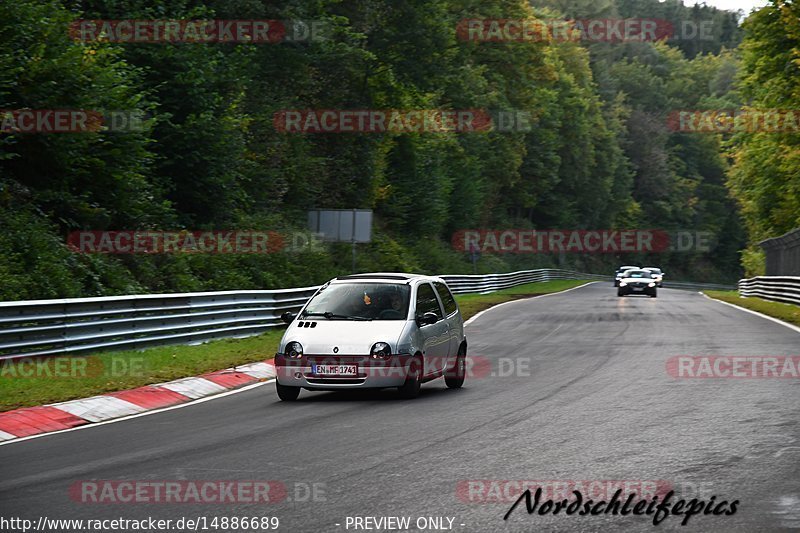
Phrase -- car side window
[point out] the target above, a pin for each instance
(426, 301)
(449, 302)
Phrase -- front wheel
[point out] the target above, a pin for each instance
(454, 378)
(287, 393)
(410, 389)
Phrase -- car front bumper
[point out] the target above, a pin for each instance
(628, 289)
(371, 373)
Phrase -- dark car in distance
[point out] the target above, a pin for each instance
(637, 282)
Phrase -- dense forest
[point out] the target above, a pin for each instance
(599, 153)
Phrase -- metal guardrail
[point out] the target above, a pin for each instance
(51, 327)
(494, 282)
(785, 289)
(37, 328)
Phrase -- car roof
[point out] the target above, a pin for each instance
(386, 277)
(651, 268)
(635, 270)
(628, 267)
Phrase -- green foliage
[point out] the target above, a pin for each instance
(766, 175)
(754, 262)
(597, 154)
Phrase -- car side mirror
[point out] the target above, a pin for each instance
(427, 319)
(288, 317)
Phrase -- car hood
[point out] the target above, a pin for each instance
(350, 337)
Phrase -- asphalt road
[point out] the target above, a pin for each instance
(589, 398)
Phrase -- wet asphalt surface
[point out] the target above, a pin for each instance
(568, 389)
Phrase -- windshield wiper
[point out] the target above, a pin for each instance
(331, 316)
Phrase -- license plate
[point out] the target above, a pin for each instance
(335, 370)
(638, 288)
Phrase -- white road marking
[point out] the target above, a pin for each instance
(762, 315)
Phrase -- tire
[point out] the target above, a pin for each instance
(410, 389)
(654, 295)
(620, 294)
(454, 378)
(287, 393)
(616, 283)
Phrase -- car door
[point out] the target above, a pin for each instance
(434, 337)
(454, 323)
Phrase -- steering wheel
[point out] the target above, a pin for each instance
(390, 314)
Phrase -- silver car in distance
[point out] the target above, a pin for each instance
(373, 331)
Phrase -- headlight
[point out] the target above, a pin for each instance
(294, 349)
(380, 350)
(622, 284)
(651, 284)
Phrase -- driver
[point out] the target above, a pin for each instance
(396, 301)
(392, 306)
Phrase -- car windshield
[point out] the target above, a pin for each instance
(371, 301)
(637, 274)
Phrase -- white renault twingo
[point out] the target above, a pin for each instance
(373, 331)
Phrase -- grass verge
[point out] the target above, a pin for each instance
(57, 379)
(787, 312)
(60, 379)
